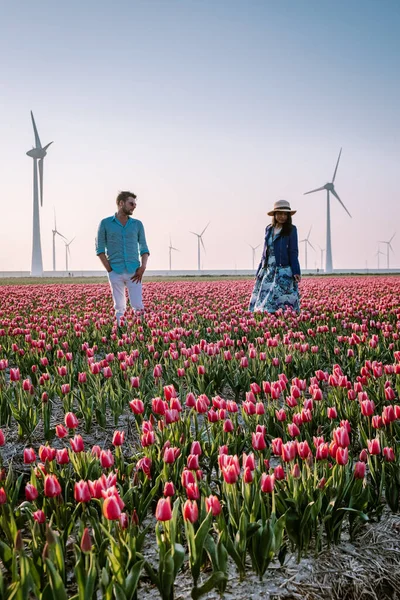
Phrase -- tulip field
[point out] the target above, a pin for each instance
(195, 438)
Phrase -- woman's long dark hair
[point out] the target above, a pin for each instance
(286, 227)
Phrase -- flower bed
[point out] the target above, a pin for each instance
(239, 438)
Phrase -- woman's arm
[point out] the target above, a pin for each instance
(294, 254)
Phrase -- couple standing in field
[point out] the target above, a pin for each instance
(122, 248)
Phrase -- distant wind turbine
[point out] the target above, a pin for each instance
(254, 248)
(378, 254)
(388, 246)
(170, 248)
(200, 240)
(37, 153)
(330, 189)
(322, 256)
(307, 242)
(55, 232)
(67, 252)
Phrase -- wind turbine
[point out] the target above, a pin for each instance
(378, 254)
(200, 239)
(307, 243)
(55, 232)
(322, 255)
(37, 153)
(330, 189)
(67, 252)
(170, 248)
(388, 246)
(254, 248)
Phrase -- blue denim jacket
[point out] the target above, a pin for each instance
(285, 248)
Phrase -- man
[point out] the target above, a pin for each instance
(120, 240)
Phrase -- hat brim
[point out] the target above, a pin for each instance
(272, 212)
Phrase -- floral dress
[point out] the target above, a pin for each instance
(275, 287)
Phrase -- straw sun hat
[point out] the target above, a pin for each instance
(282, 205)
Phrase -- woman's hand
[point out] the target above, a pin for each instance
(297, 278)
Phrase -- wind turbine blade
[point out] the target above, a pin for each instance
(55, 224)
(37, 139)
(202, 243)
(45, 148)
(317, 190)
(392, 237)
(41, 180)
(177, 249)
(309, 232)
(205, 228)
(60, 234)
(334, 174)
(310, 244)
(194, 233)
(336, 196)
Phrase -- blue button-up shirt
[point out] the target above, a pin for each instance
(121, 243)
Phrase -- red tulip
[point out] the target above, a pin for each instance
(190, 511)
(289, 451)
(61, 431)
(81, 491)
(359, 470)
(111, 508)
(31, 492)
(193, 462)
(52, 486)
(118, 438)
(258, 441)
(388, 454)
(39, 516)
(374, 447)
(332, 412)
(213, 505)
(29, 456)
(169, 489)
(86, 542)
(267, 483)
(163, 510)
(279, 473)
(77, 443)
(106, 459)
(137, 406)
(2, 438)
(14, 374)
(342, 456)
(71, 420)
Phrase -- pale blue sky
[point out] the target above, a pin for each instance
(209, 111)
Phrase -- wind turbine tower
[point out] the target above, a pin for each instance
(55, 232)
(330, 189)
(378, 255)
(253, 248)
(67, 252)
(307, 242)
(170, 248)
(322, 256)
(37, 153)
(200, 240)
(388, 247)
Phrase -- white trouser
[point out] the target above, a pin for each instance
(118, 282)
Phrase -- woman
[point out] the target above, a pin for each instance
(278, 275)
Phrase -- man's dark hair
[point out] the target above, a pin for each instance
(123, 197)
(286, 227)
